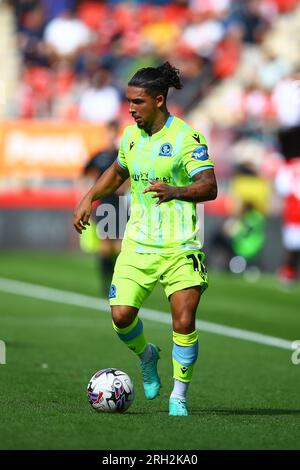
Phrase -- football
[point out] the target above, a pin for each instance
(110, 391)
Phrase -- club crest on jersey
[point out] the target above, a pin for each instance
(200, 153)
(112, 292)
(165, 150)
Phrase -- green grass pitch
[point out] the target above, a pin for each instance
(243, 396)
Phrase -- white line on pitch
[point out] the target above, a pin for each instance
(79, 300)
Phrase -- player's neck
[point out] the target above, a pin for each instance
(159, 123)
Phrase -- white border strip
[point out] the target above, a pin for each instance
(79, 300)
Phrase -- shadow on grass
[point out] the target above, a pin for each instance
(228, 412)
(245, 412)
(216, 412)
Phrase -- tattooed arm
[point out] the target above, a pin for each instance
(204, 188)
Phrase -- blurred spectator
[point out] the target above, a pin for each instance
(257, 106)
(287, 184)
(210, 6)
(247, 186)
(203, 34)
(35, 92)
(54, 8)
(66, 35)
(30, 37)
(22, 7)
(285, 6)
(160, 36)
(286, 98)
(272, 70)
(241, 239)
(253, 20)
(196, 76)
(100, 102)
(228, 51)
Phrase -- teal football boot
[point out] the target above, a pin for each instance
(149, 372)
(177, 407)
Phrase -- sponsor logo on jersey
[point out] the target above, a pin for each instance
(112, 292)
(131, 145)
(164, 179)
(200, 153)
(165, 150)
(197, 138)
(144, 178)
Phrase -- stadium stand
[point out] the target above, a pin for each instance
(217, 43)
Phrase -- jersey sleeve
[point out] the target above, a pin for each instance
(195, 154)
(121, 158)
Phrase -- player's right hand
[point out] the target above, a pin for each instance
(82, 215)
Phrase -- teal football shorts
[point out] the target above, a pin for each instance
(136, 274)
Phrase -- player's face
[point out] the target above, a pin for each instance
(143, 107)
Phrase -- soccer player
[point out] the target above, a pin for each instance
(170, 170)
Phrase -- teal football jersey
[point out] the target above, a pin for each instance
(172, 155)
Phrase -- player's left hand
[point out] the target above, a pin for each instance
(164, 192)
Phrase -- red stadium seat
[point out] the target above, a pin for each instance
(92, 13)
(39, 79)
(64, 80)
